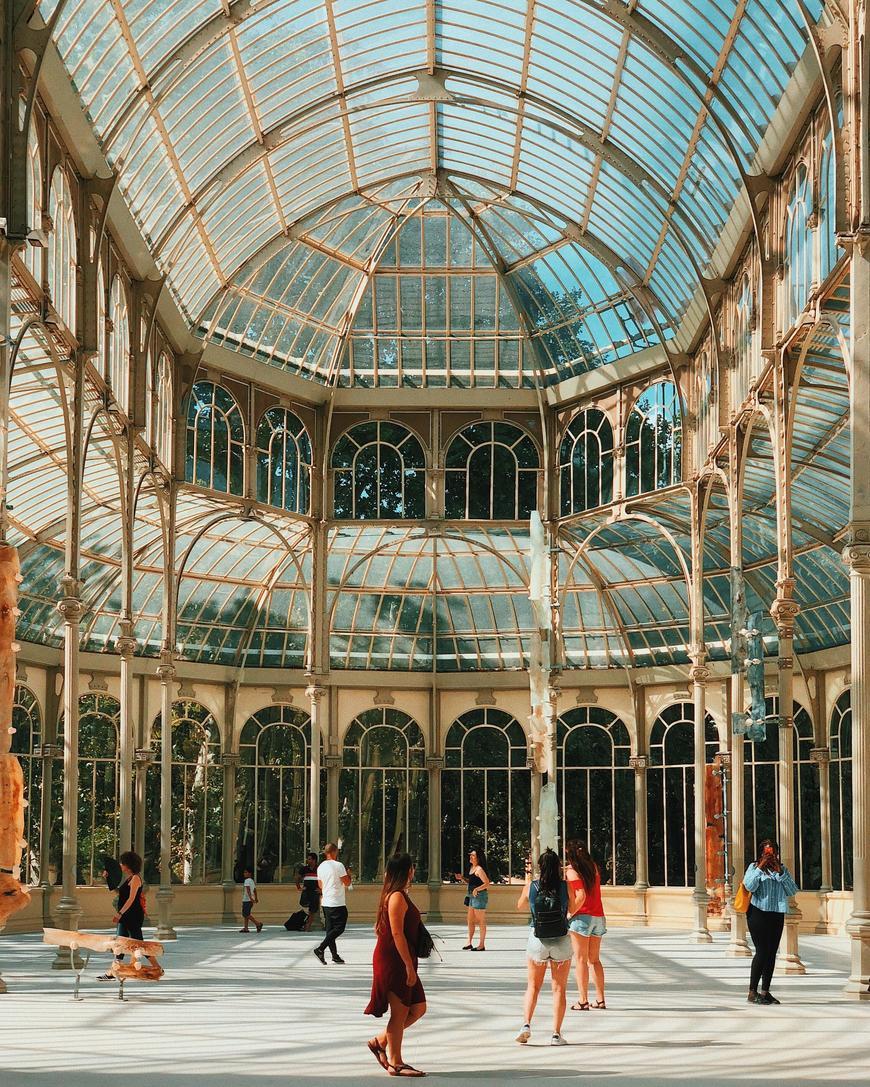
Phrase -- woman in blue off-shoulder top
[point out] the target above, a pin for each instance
(771, 885)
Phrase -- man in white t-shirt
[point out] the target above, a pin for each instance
(333, 878)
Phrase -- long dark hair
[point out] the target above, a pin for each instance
(481, 858)
(395, 879)
(549, 871)
(763, 844)
(583, 863)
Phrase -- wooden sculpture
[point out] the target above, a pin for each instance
(13, 896)
(115, 945)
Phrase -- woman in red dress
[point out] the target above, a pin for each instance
(395, 985)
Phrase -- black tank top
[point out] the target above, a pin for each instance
(474, 882)
(135, 911)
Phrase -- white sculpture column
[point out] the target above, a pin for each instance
(699, 676)
(640, 765)
(165, 931)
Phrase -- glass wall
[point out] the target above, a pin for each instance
(653, 440)
(841, 793)
(491, 473)
(99, 783)
(378, 471)
(586, 462)
(27, 723)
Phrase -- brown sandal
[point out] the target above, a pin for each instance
(379, 1053)
(404, 1070)
(599, 1004)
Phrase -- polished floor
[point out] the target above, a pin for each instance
(258, 1011)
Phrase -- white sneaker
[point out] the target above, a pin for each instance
(524, 1034)
(558, 1039)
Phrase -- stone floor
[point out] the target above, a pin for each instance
(259, 1011)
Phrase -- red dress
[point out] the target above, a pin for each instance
(389, 975)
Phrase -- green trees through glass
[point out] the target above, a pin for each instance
(379, 471)
(841, 793)
(215, 439)
(586, 462)
(653, 440)
(491, 473)
(27, 723)
(283, 461)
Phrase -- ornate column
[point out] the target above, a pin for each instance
(46, 753)
(784, 612)
(640, 765)
(738, 946)
(126, 646)
(229, 761)
(699, 676)
(434, 765)
(165, 931)
(319, 719)
(144, 757)
(821, 756)
(68, 911)
(857, 555)
(332, 763)
(536, 807)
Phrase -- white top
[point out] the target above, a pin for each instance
(329, 873)
(249, 890)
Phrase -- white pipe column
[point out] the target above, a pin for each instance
(434, 766)
(319, 718)
(699, 676)
(165, 931)
(738, 945)
(230, 763)
(821, 756)
(640, 765)
(126, 646)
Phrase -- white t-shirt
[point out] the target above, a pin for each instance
(329, 873)
(249, 890)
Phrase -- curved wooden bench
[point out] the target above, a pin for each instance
(137, 970)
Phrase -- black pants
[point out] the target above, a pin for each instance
(130, 927)
(336, 923)
(765, 928)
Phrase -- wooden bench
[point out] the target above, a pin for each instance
(135, 970)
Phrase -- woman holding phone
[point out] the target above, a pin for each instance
(771, 885)
(477, 898)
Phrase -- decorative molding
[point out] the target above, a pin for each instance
(166, 673)
(820, 755)
(144, 756)
(586, 696)
(48, 751)
(785, 664)
(383, 696)
(639, 763)
(699, 674)
(230, 758)
(724, 759)
(186, 689)
(98, 682)
(315, 693)
(282, 694)
(20, 672)
(485, 697)
(126, 646)
(332, 762)
(434, 762)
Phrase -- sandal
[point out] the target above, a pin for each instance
(468, 947)
(580, 1006)
(379, 1052)
(599, 1004)
(404, 1070)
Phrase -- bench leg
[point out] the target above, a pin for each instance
(121, 990)
(78, 971)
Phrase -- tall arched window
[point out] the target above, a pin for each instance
(653, 440)
(272, 793)
(102, 361)
(841, 793)
(596, 789)
(707, 429)
(671, 794)
(62, 259)
(99, 783)
(798, 245)
(163, 415)
(491, 473)
(197, 798)
(486, 798)
(586, 462)
(384, 793)
(119, 344)
(761, 794)
(827, 208)
(215, 439)
(744, 354)
(379, 470)
(283, 461)
(27, 723)
(33, 254)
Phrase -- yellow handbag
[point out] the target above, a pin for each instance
(741, 900)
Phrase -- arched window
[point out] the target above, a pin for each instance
(99, 783)
(653, 440)
(119, 344)
(197, 798)
(33, 254)
(272, 793)
(486, 797)
(841, 793)
(384, 793)
(671, 794)
(215, 439)
(744, 355)
(761, 794)
(379, 471)
(596, 789)
(27, 723)
(707, 429)
(163, 415)
(798, 245)
(586, 462)
(101, 361)
(62, 259)
(491, 473)
(283, 461)
(827, 208)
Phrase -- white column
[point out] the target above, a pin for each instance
(738, 946)
(319, 717)
(229, 762)
(821, 756)
(126, 646)
(699, 676)
(165, 931)
(435, 764)
(640, 765)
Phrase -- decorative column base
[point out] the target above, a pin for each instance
(700, 932)
(165, 931)
(640, 916)
(859, 978)
(66, 916)
(434, 914)
(738, 945)
(789, 961)
(229, 916)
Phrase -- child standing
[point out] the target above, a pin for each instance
(249, 897)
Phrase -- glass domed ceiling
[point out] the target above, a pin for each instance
(597, 151)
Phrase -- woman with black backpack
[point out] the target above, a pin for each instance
(549, 944)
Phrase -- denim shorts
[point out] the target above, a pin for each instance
(246, 908)
(479, 901)
(558, 949)
(584, 924)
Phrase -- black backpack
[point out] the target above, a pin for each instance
(549, 918)
(296, 921)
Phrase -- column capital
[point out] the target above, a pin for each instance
(856, 553)
(434, 762)
(143, 756)
(784, 612)
(332, 762)
(230, 758)
(699, 674)
(69, 606)
(316, 693)
(126, 646)
(820, 755)
(724, 759)
(48, 751)
(639, 763)
(166, 673)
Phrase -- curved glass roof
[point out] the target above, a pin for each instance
(602, 142)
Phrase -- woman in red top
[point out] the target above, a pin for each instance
(587, 924)
(395, 984)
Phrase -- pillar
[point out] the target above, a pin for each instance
(640, 765)
(47, 753)
(784, 612)
(821, 756)
(333, 775)
(319, 730)
(230, 762)
(699, 676)
(68, 910)
(126, 646)
(144, 757)
(738, 945)
(857, 555)
(165, 931)
(434, 765)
